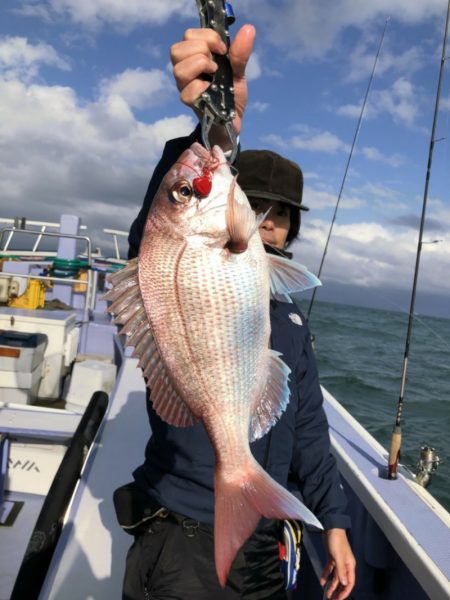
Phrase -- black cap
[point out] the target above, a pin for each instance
(267, 175)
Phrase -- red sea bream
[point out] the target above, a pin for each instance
(195, 306)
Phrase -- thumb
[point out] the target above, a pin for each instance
(241, 49)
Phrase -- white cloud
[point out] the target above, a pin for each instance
(313, 27)
(353, 111)
(439, 212)
(20, 59)
(318, 199)
(402, 101)
(309, 175)
(273, 139)
(259, 106)
(61, 154)
(362, 60)
(371, 255)
(139, 88)
(372, 153)
(445, 102)
(377, 191)
(152, 49)
(324, 141)
(253, 70)
(95, 13)
(387, 201)
(309, 139)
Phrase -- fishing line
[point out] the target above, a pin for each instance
(446, 128)
(349, 160)
(396, 439)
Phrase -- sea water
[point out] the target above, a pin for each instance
(360, 355)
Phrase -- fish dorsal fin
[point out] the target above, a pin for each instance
(288, 277)
(128, 308)
(274, 398)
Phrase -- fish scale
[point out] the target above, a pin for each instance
(227, 331)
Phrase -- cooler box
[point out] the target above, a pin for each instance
(60, 327)
(88, 377)
(21, 365)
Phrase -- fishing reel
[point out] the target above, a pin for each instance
(426, 465)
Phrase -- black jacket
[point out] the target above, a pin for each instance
(178, 470)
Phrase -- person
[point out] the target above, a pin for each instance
(169, 506)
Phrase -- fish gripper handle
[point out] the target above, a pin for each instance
(217, 101)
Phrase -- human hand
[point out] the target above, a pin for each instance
(192, 58)
(341, 563)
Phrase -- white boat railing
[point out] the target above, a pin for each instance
(91, 282)
(21, 224)
(115, 235)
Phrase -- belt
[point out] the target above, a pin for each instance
(154, 522)
(190, 526)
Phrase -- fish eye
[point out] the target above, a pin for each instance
(181, 192)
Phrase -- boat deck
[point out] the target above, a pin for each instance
(15, 539)
(416, 525)
(90, 558)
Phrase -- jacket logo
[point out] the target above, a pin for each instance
(295, 318)
(28, 465)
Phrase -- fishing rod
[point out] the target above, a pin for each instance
(349, 160)
(396, 439)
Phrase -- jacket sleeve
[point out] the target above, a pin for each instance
(312, 463)
(172, 151)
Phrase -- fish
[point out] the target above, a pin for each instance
(195, 307)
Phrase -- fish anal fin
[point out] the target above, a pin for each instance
(274, 398)
(288, 277)
(168, 405)
(165, 399)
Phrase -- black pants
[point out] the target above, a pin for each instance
(173, 559)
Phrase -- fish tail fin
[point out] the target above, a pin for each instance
(241, 499)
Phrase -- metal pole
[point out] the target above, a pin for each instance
(349, 160)
(396, 440)
(116, 246)
(38, 240)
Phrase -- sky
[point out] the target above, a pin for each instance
(87, 101)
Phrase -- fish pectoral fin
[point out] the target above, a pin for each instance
(288, 277)
(241, 221)
(274, 399)
(128, 308)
